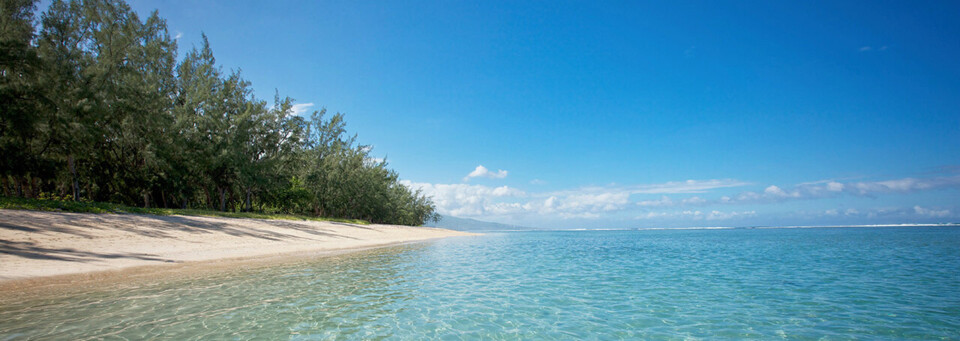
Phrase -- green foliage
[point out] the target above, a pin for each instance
(97, 109)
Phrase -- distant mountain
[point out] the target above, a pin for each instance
(466, 224)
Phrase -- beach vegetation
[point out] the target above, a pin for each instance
(97, 109)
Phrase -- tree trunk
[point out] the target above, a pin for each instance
(206, 192)
(249, 207)
(6, 185)
(73, 174)
(146, 199)
(163, 196)
(28, 187)
(223, 199)
(27, 191)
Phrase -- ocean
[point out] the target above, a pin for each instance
(878, 283)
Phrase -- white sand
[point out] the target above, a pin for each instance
(34, 245)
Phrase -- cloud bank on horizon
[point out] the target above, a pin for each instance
(727, 202)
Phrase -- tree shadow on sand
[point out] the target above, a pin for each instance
(84, 225)
(199, 225)
(32, 251)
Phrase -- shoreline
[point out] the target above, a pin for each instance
(136, 276)
(39, 248)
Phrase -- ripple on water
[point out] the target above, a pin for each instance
(880, 283)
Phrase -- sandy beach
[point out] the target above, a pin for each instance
(37, 245)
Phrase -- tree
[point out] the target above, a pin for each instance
(96, 105)
(20, 114)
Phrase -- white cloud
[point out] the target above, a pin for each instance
(654, 215)
(830, 188)
(903, 185)
(467, 200)
(483, 172)
(777, 192)
(673, 187)
(933, 213)
(685, 187)
(537, 182)
(602, 202)
(698, 215)
(871, 48)
(300, 108)
(501, 209)
(178, 35)
(506, 203)
(774, 191)
(889, 214)
(718, 215)
(550, 203)
(663, 201)
(582, 203)
(608, 199)
(370, 161)
(582, 215)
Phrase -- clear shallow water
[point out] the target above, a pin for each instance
(842, 283)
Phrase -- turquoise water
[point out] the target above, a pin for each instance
(825, 283)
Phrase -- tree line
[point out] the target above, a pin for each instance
(96, 106)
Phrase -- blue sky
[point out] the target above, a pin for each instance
(625, 114)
